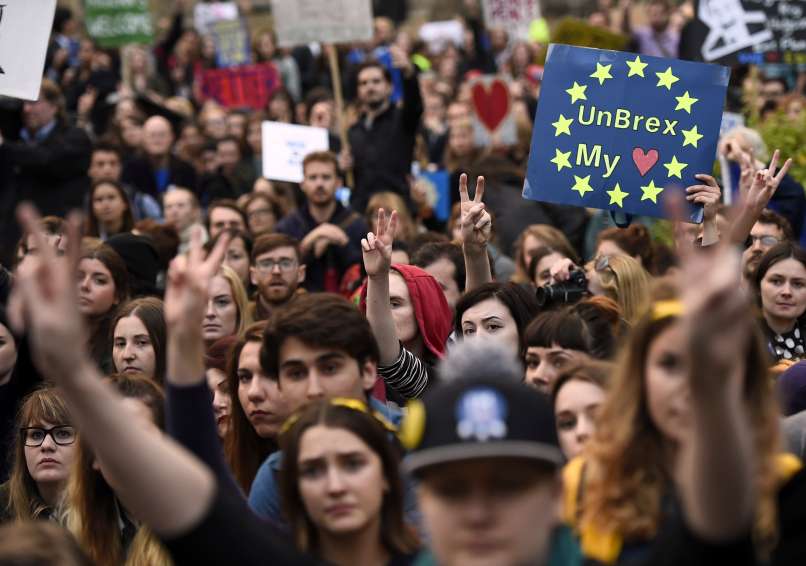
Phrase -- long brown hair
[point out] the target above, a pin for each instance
(625, 473)
(93, 512)
(92, 228)
(245, 450)
(396, 536)
(151, 312)
(43, 405)
(551, 237)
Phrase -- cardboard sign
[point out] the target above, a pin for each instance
(120, 22)
(493, 121)
(515, 16)
(286, 145)
(231, 39)
(24, 34)
(751, 31)
(327, 21)
(205, 15)
(249, 86)
(619, 131)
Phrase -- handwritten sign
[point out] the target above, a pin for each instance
(515, 16)
(113, 23)
(493, 121)
(249, 86)
(328, 21)
(751, 31)
(286, 145)
(231, 39)
(616, 131)
(24, 33)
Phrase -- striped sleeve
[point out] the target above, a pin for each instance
(407, 376)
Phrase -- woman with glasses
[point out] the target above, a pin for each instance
(43, 454)
(780, 285)
(262, 213)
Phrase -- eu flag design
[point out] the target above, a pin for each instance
(618, 131)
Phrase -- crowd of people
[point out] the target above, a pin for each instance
(200, 365)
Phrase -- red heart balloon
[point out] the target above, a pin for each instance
(644, 160)
(491, 104)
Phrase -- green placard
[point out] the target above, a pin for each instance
(113, 23)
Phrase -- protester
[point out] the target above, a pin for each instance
(577, 394)
(329, 234)
(215, 364)
(224, 214)
(106, 164)
(183, 213)
(43, 454)
(277, 271)
(227, 311)
(239, 250)
(263, 213)
(576, 334)
(445, 263)
(407, 311)
(341, 488)
(543, 259)
(533, 238)
(780, 285)
(769, 230)
(109, 211)
(138, 339)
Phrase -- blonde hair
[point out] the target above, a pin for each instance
(625, 475)
(43, 405)
(240, 297)
(549, 236)
(627, 283)
(126, 56)
(389, 201)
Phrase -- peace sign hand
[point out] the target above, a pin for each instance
(475, 221)
(765, 183)
(377, 249)
(189, 278)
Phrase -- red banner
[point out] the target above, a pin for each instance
(248, 86)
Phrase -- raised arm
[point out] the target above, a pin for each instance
(762, 186)
(160, 482)
(377, 250)
(189, 414)
(476, 227)
(708, 195)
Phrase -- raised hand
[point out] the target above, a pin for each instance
(44, 301)
(475, 221)
(708, 195)
(377, 249)
(748, 170)
(189, 278)
(765, 183)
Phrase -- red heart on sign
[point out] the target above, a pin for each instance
(644, 161)
(491, 104)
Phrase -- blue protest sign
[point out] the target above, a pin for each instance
(617, 130)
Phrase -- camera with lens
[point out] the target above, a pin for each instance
(565, 293)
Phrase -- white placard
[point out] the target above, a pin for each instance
(514, 16)
(299, 22)
(205, 15)
(25, 27)
(286, 145)
(438, 34)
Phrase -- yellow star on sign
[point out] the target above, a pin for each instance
(666, 78)
(582, 185)
(561, 159)
(675, 167)
(691, 136)
(561, 126)
(685, 102)
(617, 196)
(577, 92)
(636, 67)
(602, 73)
(651, 192)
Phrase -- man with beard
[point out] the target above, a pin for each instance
(276, 271)
(770, 229)
(329, 233)
(382, 140)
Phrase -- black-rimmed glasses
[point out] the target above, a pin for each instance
(63, 435)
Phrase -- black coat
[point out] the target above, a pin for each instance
(140, 173)
(51, 173)
(382, 152)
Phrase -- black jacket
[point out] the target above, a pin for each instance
(383, 151)
(51, 173)
(140, 173)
